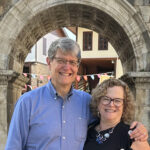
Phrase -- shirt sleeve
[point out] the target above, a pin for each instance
(90, 116)
(19, 126)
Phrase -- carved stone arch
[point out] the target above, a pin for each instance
(28, 20)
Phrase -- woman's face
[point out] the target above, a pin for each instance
(110, 112)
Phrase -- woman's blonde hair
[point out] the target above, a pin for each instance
(128, 104)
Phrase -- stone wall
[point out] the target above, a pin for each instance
(139, 83)
(143, 7)
(39, 69)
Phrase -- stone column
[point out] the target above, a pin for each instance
(139, 82)
(11, 84)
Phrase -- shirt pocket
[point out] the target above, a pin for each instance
(80, 128)
(30, 147)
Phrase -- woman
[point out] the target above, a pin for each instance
(113, 103)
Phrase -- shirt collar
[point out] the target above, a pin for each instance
(54, 93)
(70, 92)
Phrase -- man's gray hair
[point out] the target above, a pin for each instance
(65, 45)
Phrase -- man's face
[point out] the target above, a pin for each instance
(63, 69)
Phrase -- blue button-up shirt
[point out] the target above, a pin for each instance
(42, 120)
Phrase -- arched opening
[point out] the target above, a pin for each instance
(87, 17)
(97, 63)
(28, 21)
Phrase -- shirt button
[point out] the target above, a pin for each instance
(63, 137)
(79, 118)
(55, 98)
(64, 121)
(63, 106)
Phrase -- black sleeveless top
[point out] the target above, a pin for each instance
(118, 140)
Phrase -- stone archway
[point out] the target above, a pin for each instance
(27, 21)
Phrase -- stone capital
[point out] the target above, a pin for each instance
(12, 77)
(6, 76)
(136, 77)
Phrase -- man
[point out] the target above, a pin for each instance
(55, 116)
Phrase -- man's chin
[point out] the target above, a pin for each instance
(65, 83)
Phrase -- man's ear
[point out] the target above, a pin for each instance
(48, 61)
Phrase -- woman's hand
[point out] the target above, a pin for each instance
(140, 133)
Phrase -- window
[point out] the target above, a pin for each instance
(102, 43)
(87, 41)
(44, 46)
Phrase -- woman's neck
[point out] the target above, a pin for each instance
(106, 125)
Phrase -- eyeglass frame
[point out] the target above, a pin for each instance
(112, 100)
(63, 61)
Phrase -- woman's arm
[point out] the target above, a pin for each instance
(137, 145)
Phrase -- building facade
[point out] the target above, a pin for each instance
(98, 56)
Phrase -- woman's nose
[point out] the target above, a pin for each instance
(111, 103)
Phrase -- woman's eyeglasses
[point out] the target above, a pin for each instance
(105, 100)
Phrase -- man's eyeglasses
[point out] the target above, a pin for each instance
(105, 100)
(63, 61)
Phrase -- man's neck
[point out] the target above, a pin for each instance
(62, 90)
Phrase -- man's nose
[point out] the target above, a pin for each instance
(67, 64)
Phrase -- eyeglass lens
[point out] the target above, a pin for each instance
(107, 100)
